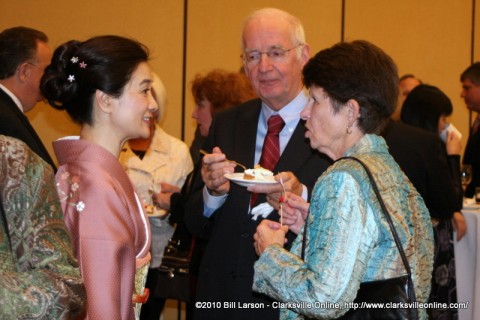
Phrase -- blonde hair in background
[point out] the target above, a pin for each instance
(160, 95)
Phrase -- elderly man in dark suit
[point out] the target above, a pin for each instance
(274, 53)
(470, 79)
(24, 55)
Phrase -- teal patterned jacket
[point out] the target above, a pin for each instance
(348, 239)
(39, 275)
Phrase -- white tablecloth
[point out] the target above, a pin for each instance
(467, 263)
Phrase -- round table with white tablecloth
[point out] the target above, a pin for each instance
(467, 264)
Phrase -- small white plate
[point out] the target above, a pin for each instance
(470, 204)
(237, 177)
(153, 212)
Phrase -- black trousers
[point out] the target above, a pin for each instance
(152, 309)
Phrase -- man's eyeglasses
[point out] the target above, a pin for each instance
(34, 65)
(275, 55)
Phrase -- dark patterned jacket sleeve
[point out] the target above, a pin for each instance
(39, 275)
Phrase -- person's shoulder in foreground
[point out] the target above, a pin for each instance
(39, 275)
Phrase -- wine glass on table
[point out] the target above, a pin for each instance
(466, 175)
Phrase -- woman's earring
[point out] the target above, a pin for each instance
(349, 130)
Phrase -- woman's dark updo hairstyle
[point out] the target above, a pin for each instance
(104, 63)
(361, 71)
(424, 106)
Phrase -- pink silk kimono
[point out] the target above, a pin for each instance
(109, 230)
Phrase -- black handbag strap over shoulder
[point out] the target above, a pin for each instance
(411, 289)
(387, 214)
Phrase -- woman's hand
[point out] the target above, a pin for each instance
(275, 191)
(459, 225)
(295, 211)
(453, 144)
(269, 232)
(162, 199)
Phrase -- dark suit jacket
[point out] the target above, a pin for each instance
(472, 157)
(226, 272)
(422, 156)
(15, 124)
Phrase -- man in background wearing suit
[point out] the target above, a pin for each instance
(274, 53)
(470, 79)
(417, 153)
(24, 55)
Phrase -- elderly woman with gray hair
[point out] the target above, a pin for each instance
(353, 91)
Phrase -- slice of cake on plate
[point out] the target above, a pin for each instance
(257, 173)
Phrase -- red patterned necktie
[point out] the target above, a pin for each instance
(271, 147)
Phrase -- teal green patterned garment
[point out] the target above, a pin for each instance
(348, 238)
(39, 275)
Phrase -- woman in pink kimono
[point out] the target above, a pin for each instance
(104, 84)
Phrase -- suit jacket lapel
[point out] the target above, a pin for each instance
(34, 141)
(13, 108)
(472, 143)
(296, 152)
(246, 134)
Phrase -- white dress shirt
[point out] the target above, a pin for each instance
(291, 116)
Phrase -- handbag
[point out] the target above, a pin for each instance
(174, 280)
(398, 290)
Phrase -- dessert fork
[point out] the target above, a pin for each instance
(231, 161)
(282, 199)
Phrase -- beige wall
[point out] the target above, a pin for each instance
(476, 40)
(214, 31)
(429, 38)
(156, 23)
